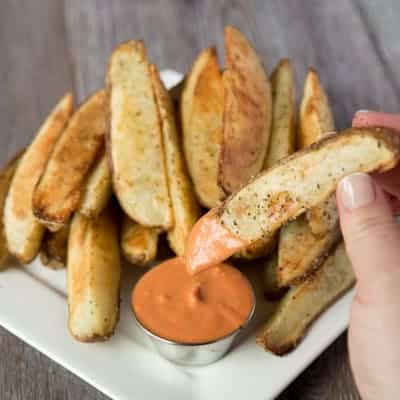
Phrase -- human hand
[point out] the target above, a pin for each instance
(372, 241)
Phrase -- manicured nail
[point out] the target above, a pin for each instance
(357, 190)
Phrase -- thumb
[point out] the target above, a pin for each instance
(371, 235)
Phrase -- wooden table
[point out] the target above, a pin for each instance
(49, 46)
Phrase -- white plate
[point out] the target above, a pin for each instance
(33, 306)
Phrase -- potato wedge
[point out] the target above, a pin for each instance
(53, 253)
(302, 304)
(305, 179)
(184, 204)
(139, 243)
(23, 232)
(283, 129)
(98, 189)
(93, 277)
(281, 144)
(135, 140)
(247, 113)
(202, 108)
(61, 186)
(272, 290)
(316, 118)
(176, 91)
(6, 175)
(301, 252)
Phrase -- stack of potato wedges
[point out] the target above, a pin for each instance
(135, 161)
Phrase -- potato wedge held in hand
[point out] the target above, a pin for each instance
(305, 179)
(23, 232)
(283, 129)
(135, 140)
(6, 175)
(247, 113)
(302, 304)
(184, 204)
(93, 277)
(202, 108)
(60, 188)
(301, 252)
(139, 243)
(98, 189)
(53, 253)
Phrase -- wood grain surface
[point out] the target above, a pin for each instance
(49, 46)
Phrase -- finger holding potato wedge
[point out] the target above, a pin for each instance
(6, 175)
(302, 304)
(247, 112)
(61, 186)
(184, 204)
(139, 243)
(135, 139)
(93, 277)
(98, 189)
(202, 108)
(53, 253)
(23, 232)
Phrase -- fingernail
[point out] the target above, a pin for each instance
(362, 111)
(357, 190)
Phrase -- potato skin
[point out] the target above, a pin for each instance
(93, 277)
(61, 185)
(247, 113)
(23, 232)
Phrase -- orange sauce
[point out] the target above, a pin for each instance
(210, 243)
(192, 308)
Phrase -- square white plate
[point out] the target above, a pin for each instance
(33, 306)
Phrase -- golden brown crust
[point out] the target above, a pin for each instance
(247, 113)
(24, 233)
(202, 107)
(6, 175)
(288, 189)
(303, 303)
(60, 188)
(135, 140)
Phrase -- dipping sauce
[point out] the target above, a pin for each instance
(210, 243)
(179, 306)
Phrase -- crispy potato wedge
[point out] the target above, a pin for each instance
(316, 118)
(202, 108)
(247, 113)
(305, 179)
(184, 204)
(53, 253)
(93, 277)
(272, 290)
(135, 140)
(176, 91)
(281, 144)
(305, 244)
(139, 243)
(301, 252)
(98, 189)
(6, 175)
(61, 186)
(283, 129)
(302, 304)
(258, 249)
(23, 232)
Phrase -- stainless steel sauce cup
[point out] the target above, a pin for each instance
(195, 354)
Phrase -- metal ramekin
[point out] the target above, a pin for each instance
(195, 354)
